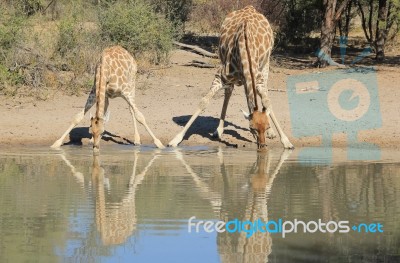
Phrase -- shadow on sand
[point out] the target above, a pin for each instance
(205, 127)
(77, 134)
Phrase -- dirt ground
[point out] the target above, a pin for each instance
(169, 96)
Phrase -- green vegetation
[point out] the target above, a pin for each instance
(138, 28)
(54, 45)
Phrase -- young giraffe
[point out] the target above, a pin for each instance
(244, 49)
(115, 77)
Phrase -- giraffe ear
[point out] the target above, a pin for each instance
(246, 115)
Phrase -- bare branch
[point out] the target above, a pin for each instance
(197, 49)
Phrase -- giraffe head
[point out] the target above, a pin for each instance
(259, 124)
(97, 129)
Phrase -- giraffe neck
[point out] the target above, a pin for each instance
(253, 83)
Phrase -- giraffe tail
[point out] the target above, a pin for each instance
(249, 66)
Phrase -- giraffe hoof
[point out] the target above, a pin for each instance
(175, 141)
(159, 144)
(56, 145)
(288, 146)
(218, 134)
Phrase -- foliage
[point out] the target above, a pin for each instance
(10, 32)
(138, 28)
(176, 11)
(10, 28)
(302, 18)
(28, 7)
(207, 16)
(68, 36)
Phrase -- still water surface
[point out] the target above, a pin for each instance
(133, 205)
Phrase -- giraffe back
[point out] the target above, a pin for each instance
(118, 68)
(259, 39)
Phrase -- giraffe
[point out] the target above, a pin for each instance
(245, 47)
(115, 77)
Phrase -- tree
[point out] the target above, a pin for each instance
(381, 30)
(331, 16)
(387, 16)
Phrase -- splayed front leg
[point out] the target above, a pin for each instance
(136, 136)
(77, 119)
(215, 87)
(140, 118)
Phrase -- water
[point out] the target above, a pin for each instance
(133, 205)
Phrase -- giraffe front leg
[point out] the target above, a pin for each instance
(77, 119)
(216, 85)
(228, 93)
(136, 135)
(140, 118)
(262, 89)
(266, 103)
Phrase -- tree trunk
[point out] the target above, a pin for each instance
(331, 16)
(381, 32)
(327, 32)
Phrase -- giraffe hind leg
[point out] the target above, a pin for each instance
(228, 93)
(77, 119)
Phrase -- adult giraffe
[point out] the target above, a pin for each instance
(245, 47)
(115, 77)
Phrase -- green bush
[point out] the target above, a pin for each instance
(8, 77)
(10, 31)
(29, 7)
(138, 28)
(68, 36)
(176, 11)
(10, 28)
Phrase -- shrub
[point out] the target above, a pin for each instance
(10, 28)
(10, 31)
(138, 28)
(29, 7)
(68, 36)
(207, 15)
(176, 11)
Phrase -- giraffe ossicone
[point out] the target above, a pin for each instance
(115, 77)
(245, 47)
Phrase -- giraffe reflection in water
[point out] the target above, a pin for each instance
(115, 222)
(236, 247)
